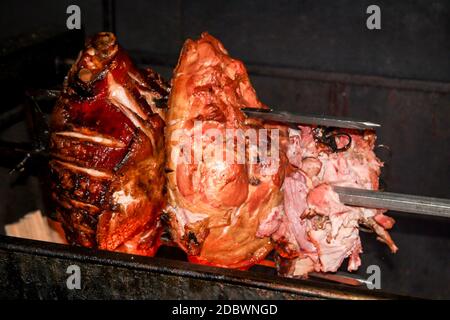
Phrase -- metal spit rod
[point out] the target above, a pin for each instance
(328, 121)
(394, 201)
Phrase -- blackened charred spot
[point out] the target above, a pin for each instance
(77, 178)
(168, 170)
(125, 158)
(165, 217)
(166, 236)
(104, 196)
(161, 103)
(81, 90)
(164, 189)
(143, 185)
(192, 238)
(254, 181)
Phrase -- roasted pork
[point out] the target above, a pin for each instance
(316, 232)
(107, 149)
(215, 206)
(236, 187)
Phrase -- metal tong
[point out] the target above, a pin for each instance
(354, 196)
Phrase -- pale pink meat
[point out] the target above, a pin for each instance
(318, 232)
(295, 192)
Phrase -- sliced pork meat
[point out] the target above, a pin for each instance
(107, 148)
(215, 206)
(317, 232)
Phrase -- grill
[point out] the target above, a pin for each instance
(414, 115)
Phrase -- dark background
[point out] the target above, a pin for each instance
(304, 56)
(414, 41)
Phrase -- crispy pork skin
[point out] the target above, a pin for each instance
(316, 231)
(107, 148)
(215, 207)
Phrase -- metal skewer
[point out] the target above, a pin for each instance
(394, 201)
(328, 121)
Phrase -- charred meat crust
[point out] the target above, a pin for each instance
(107, 147)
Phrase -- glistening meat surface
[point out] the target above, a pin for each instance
(215, 207)
(107, 147)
